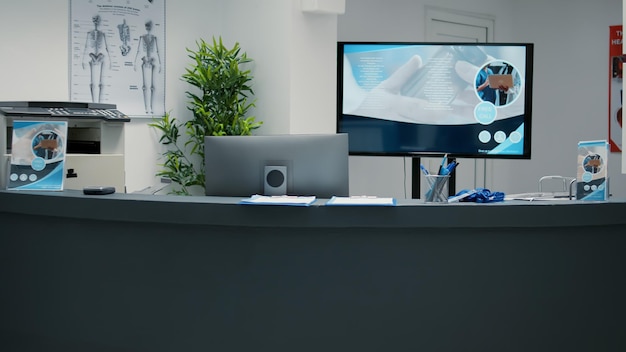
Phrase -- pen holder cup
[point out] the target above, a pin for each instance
(437, 188)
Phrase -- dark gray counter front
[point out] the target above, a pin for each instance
(161, 273)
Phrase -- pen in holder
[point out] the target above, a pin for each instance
(437, 191)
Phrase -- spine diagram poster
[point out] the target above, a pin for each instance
(38, 155)
(117, 54)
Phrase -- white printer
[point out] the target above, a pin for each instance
(95, 140)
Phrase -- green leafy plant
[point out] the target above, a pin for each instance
(220, 103)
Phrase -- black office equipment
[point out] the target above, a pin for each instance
(95, 144)
(98, 190)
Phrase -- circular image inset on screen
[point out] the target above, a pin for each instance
(485, 113)
(498, 82)
(47, 145)
(499, 136)
(484, 136)
(593, 163)
(515, 137)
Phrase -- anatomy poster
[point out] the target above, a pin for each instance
(117, 54)
(616, 60)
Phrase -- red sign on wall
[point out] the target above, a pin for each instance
(616, 60)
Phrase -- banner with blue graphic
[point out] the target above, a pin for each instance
(38, 155)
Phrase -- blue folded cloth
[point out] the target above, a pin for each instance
(481, 195)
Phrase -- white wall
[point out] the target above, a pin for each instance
(295, 63)
(34, 58)
(570, 81)
(403, 20)
(263, 31)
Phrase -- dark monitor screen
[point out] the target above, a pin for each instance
(295, 164)
(463, 99)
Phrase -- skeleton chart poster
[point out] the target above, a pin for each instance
(117, 54)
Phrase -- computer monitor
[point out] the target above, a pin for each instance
(427, 99)
(293, 164)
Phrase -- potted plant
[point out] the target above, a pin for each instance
(220, 101)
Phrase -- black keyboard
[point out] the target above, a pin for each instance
(105, 114)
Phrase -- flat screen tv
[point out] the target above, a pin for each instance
(464, 99)
(288, 164)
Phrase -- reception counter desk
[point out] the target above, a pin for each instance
(130, 272)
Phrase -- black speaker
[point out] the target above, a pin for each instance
(275, 180)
